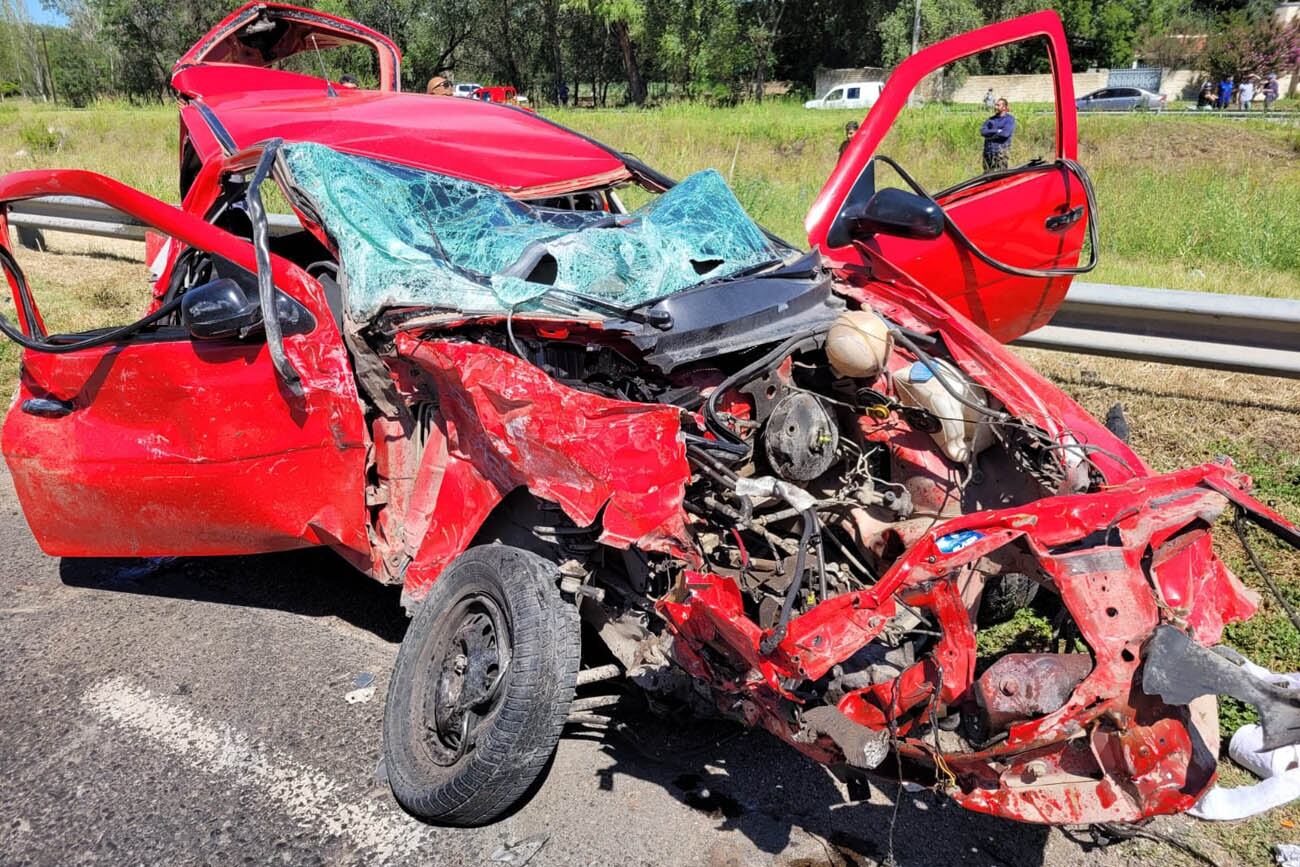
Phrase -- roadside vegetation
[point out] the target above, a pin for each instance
(1186, 203)
(1192, 203)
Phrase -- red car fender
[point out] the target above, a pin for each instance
(1042, 771)
(509, 425)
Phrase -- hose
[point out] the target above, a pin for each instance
(49, 345)
(773, 638)
(762, 365)
(938, 371)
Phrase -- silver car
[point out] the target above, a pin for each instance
(1120, 99)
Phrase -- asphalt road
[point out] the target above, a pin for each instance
(196, 713)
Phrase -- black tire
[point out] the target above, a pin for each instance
(458, 767)
(1004, 595)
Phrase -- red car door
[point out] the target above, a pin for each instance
(1023, 228)
(163, 444)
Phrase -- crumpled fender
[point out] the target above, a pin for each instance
(1146, 754)
(510, 425)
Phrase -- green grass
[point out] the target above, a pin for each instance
(1193, 203)
(1178, 197)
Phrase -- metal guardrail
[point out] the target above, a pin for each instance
(88, 217)
(1196, 329)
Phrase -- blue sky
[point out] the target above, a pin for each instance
(40, 16)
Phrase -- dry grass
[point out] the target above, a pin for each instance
(79, 284)
(1186, 203)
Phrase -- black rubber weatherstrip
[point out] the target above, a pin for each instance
(265, 285)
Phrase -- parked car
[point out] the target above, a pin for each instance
(791, 488)
(500, 93)
(465, 89)
(858, 94)
(1120, 99)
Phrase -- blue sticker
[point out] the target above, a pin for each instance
(919, 372)
(954, 542)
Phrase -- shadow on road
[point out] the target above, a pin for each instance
(750, 782)
(744, 780)
(313, 582)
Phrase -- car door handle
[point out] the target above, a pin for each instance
(1057, 222)
(46, 407)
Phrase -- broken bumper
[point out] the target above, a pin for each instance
(1134, 567)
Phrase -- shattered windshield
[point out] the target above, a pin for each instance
(408, 237)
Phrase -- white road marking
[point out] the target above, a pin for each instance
(314, 800)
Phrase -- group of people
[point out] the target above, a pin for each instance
(1229, 92)
(997, 133)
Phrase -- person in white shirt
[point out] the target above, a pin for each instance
(1247, 93)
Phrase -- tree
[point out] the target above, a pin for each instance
(624, 19)
(1246, 46)
(432, 38)
(762, 33)
(939, 20)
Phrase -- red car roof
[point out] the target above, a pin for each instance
(512, 150)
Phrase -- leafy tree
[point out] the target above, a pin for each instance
(939, 20)
(77, 67)
(432, 38)
(1247, 46)
(624, 19)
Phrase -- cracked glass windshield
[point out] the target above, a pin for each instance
(408, 237)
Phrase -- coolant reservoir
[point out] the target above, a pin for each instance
(858, 344)
(963, 431)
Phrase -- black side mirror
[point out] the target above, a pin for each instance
(219, 309)
(892, 211)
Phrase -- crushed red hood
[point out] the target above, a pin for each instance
(471, 139)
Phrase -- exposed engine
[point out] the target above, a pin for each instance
(816, 462)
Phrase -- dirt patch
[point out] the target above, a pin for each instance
(1163, 141)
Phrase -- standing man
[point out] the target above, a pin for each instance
(988, 99)
(1247, 93)
(1271, 91)
(439, 86)
(1225, 93)
(997, 132)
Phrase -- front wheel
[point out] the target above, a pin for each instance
(482, 686)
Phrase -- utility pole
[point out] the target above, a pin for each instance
(912, 100)
(916, 28)
(49, 70)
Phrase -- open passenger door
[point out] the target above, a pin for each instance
(1001, 247)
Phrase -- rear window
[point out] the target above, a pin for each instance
(854, 92)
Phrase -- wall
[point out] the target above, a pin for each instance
(1024, 88)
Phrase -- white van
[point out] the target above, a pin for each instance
(856, 94)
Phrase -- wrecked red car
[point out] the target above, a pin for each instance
(791, 488)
